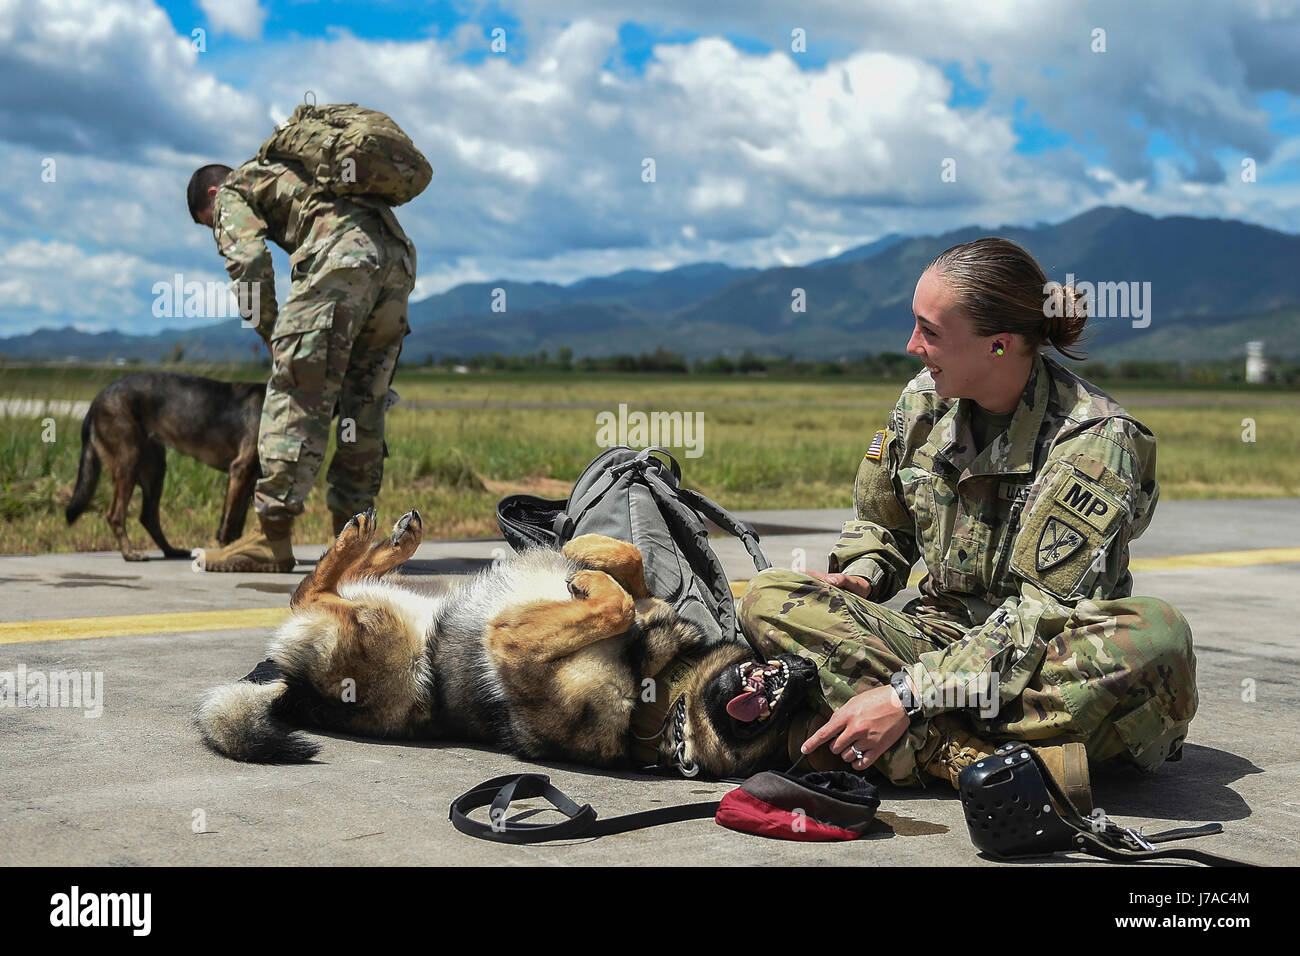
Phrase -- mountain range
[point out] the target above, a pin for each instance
(1214, 284)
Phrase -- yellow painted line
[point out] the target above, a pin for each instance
(1217, 559)
(175, 622)
(178, 622)
(1176, 562)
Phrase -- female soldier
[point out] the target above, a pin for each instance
(1020, 485)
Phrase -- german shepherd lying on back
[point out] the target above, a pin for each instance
(132, 423)
(545, 655)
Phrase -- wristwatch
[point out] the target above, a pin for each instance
(911, 704)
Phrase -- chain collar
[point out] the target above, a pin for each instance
(665, 722)
(687, 768)
(674, 729)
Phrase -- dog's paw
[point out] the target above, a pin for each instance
(619, 559)
(366, 521)
(134, 556)
(588, 584)
(408, 526)
(576, 587)
(605, 593)
(360, 530)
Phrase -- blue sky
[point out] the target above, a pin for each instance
(765, 154)
(385, 20)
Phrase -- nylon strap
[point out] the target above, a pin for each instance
(1086, 841)
(582, 821)
(715, 513)
(1091, 843)
(673, 466)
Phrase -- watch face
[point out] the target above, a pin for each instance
(911, 706)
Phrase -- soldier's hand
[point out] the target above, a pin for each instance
(872, 722)
(845, 582)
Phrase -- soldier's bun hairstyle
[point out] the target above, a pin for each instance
(1004, 289)
(196, 194)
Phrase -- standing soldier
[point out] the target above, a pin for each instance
(338, 337)
(1020, 486)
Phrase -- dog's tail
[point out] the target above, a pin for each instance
(242, 722)
(87, 473)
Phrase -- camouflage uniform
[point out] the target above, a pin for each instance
(1028, 589)
(337, 338)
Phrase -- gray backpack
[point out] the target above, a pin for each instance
(631, 495)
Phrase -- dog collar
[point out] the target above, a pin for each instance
(661, 699)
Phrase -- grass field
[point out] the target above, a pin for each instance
(458, 442)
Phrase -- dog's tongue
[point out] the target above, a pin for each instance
(747, 706)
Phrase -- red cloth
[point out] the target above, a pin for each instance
(742, 811)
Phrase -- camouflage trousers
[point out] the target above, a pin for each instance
(336, 340)
(1118, 675)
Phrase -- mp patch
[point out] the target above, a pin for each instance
(1087, 500)
(877, 445)
(1056, 542)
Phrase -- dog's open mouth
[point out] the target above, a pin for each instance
(761, 687)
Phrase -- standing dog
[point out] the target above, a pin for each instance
(133, 422)
(561, 655)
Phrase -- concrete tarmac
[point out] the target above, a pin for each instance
(124, 779)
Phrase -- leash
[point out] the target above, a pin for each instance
(816, 807)
(582, 822)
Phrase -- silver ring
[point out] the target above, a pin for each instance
(856, 752)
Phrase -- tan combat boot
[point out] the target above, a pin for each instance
(950, 749)
(269, 548)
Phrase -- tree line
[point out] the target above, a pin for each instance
(885, 365)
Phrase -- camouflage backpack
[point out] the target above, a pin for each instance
(348, 150)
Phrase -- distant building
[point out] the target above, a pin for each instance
(1256, 364)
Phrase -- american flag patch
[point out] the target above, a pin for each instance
(877, 445)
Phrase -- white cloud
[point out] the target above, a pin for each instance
(110, 79)
(241, 18)
(57, 282)
(537, 162)
(1191, 75)
(712, 193)
(527, 167)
